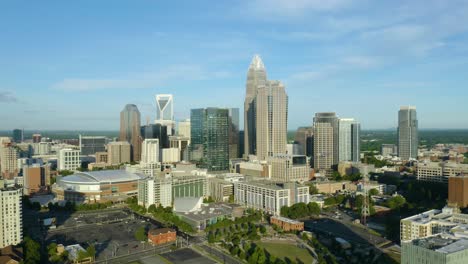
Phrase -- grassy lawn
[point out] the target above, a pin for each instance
(283, 250)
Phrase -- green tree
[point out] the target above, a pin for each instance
(373, 191)
(91, 251)
(314, 208)
(140, 234)
(313, 189)
(31, 251)
(211, 238)
(263, 229)
(64, 173)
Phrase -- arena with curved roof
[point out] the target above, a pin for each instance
(97, 186)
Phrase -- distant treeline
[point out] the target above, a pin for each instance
(426, 137)
(61, 134)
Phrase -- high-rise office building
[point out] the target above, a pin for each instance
(18, 135)
(130, 129)
(408, 139)
(89, 145)
(210, 138)
(272, 119)
(118, 152)
(165, 112)
(349, 140)
(9, 161)
(233, 133)
(158, 131)
(150, 151)
(11, 222)
(184, 128)
(305, 140)
(325, 141)
(256, 77)
(68, 159)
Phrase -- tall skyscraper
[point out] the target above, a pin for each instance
(349, 140)
(165, 112)
(130, 129)
(304, 138)
(233, 133)
(265, 113)
(11, 224)
(210, 138)
(18, 135)
(325, 141)
(272, 119)
(150, 151)
(408, 139)
(156, 131)
(256, 76)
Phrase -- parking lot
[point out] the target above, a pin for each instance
(187, 256)
(110, 239)
(85, 218)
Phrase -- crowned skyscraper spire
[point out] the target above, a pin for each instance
(266, 113)
(256, 77)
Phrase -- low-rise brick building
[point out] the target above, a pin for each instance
(162, 236)
(287, 224)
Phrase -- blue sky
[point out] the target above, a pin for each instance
(75, 64)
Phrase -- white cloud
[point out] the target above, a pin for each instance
(141, 80)
(293, 8)
(7, 97)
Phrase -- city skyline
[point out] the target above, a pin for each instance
(369, 65)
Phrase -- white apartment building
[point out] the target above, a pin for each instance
(11, 221)
(155, 190)
(42, 148)
(268, 196)
(150, 150)
(184, 128)
(289, 168)
(9, 162)
(170, 155)
(68, 159)
(440, 171)
(432, 222)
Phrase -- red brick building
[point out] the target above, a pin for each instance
(162, 236)
(287, 224)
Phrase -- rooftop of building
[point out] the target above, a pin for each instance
(73, 251)
(104, 176)
(443, 243)
(159, 231)
(286, 220)
(208, 211)
(272, 184)
(448, 215)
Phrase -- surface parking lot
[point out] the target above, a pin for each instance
(110, 239)
(86, 218)
(187, 256)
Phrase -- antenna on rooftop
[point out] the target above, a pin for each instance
(365, 204)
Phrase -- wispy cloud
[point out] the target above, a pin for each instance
(7, 97)
(142, 80)
(346, 64)
(293, 8)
